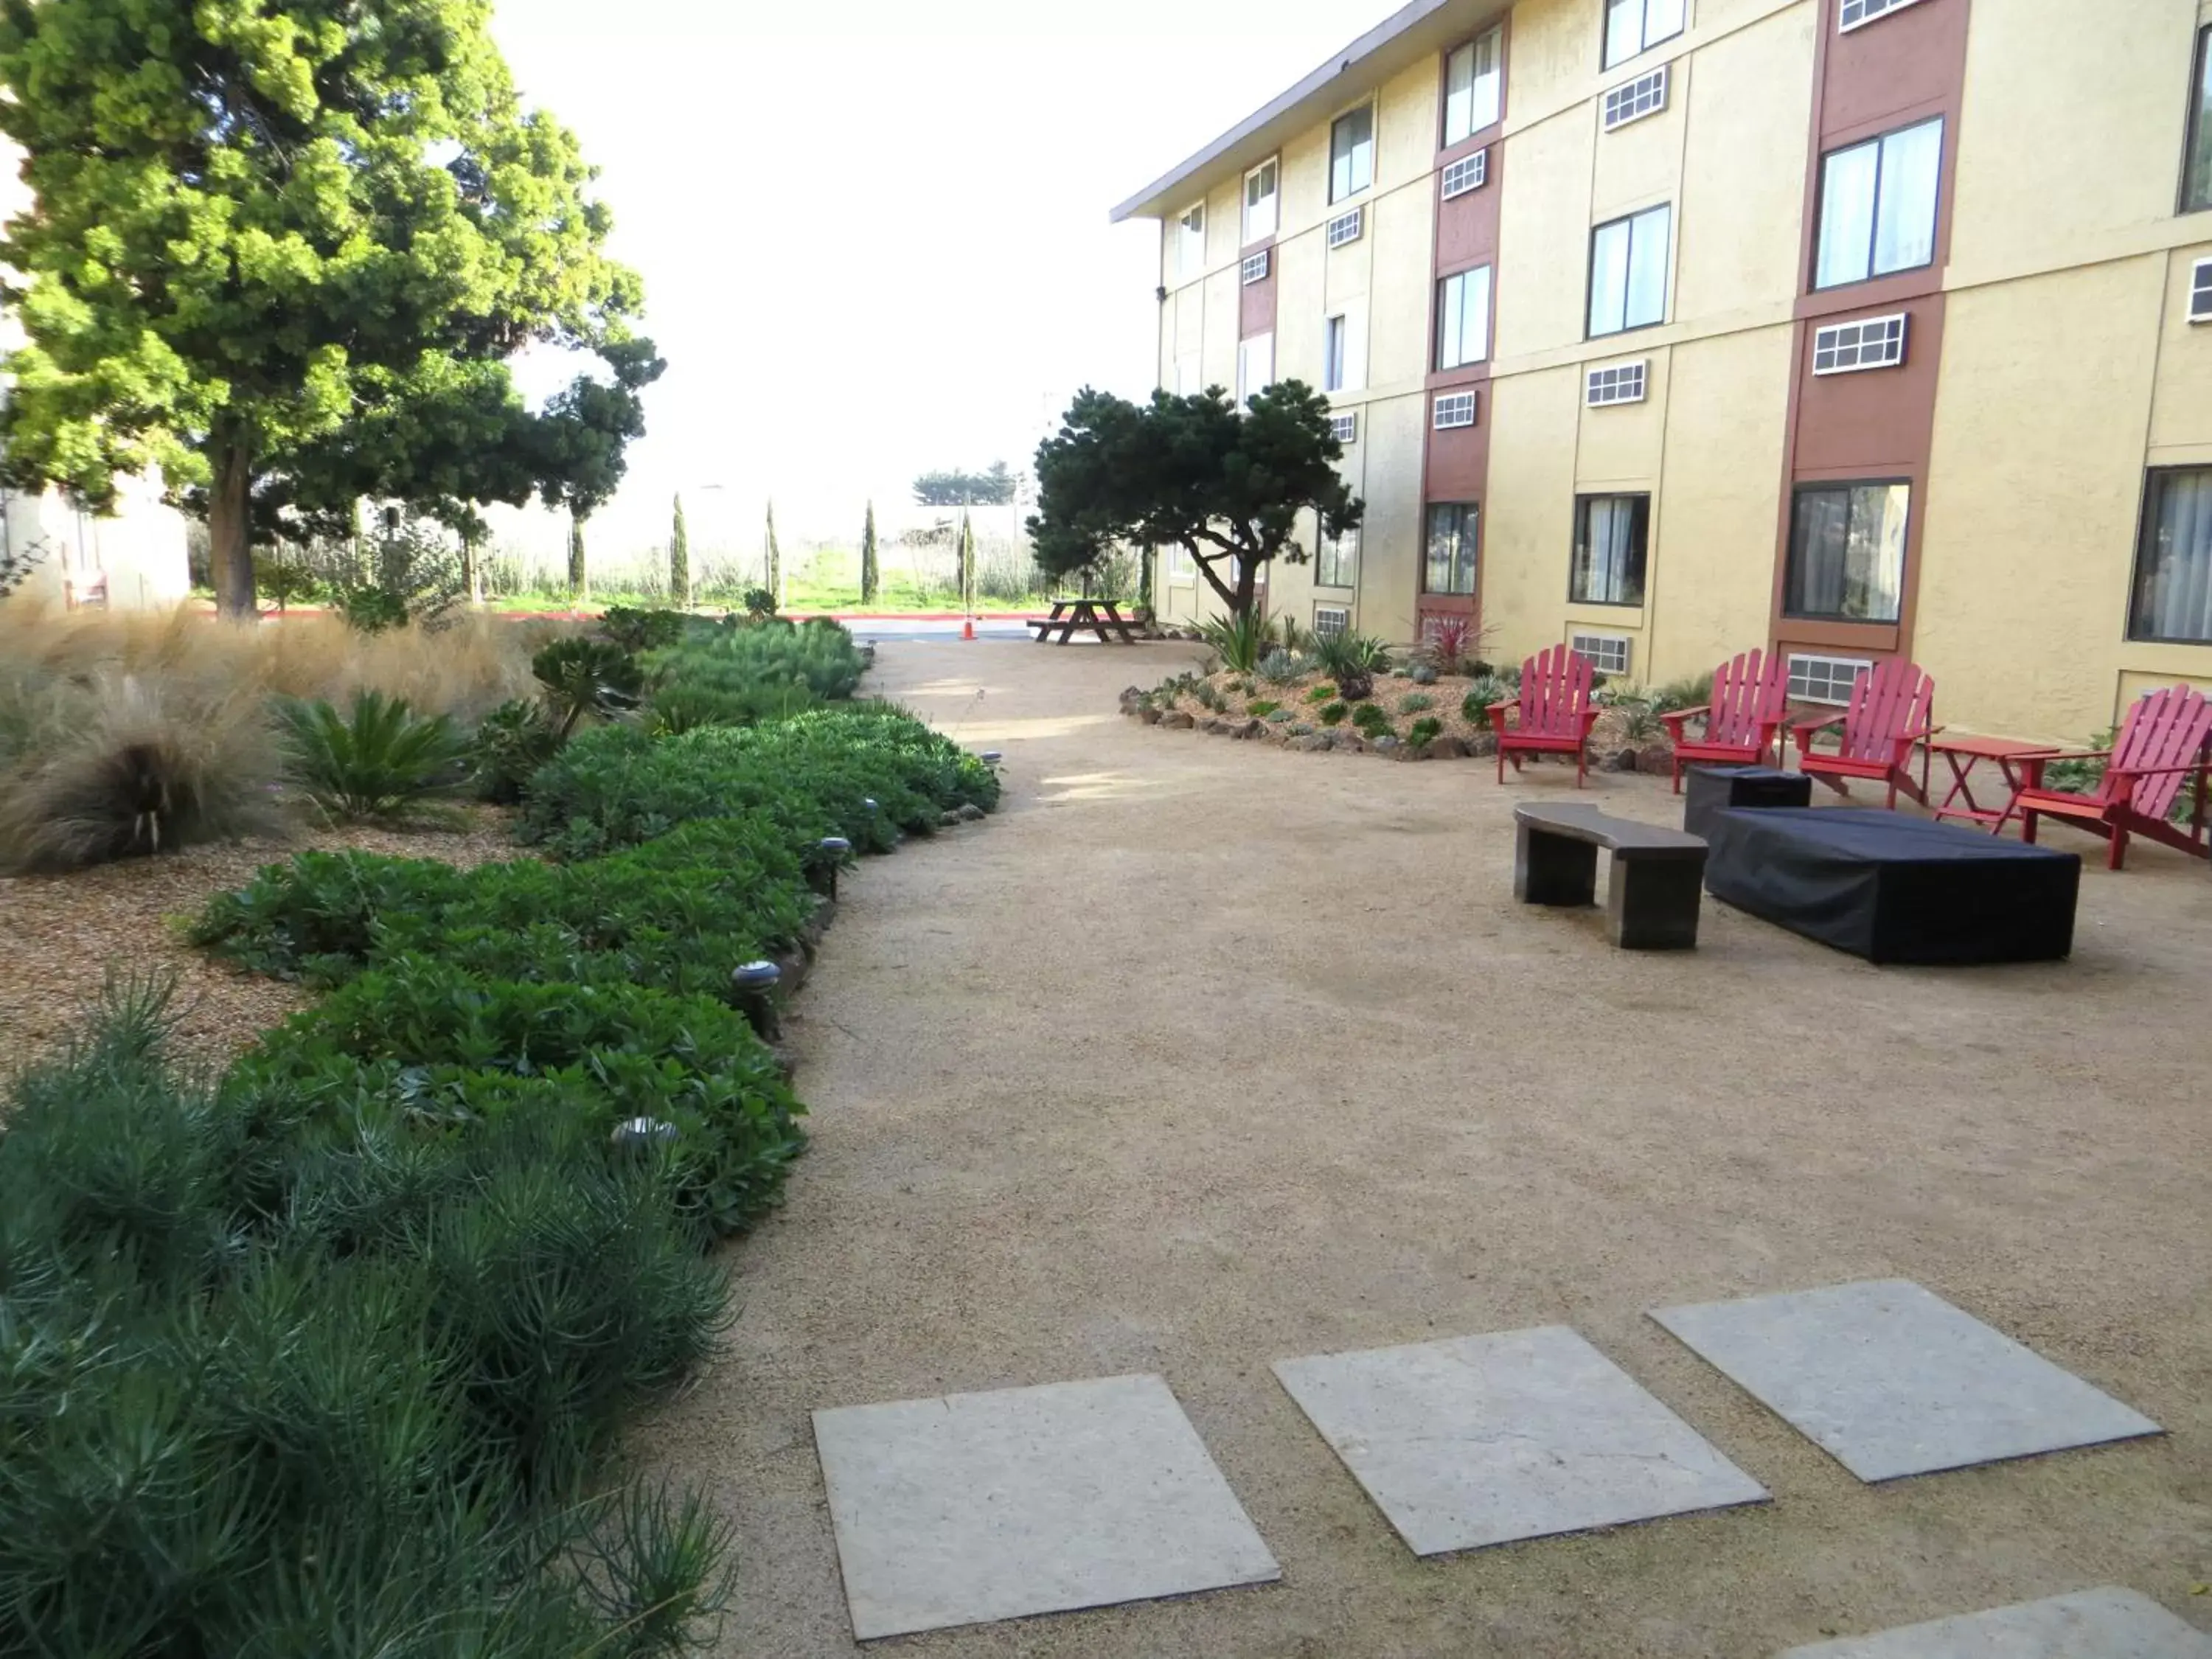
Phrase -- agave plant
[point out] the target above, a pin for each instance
(594, 678)
(1242, 641)
(380, 761)
(1352, 660)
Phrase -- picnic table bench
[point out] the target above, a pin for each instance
(1651, 892)
(1097, 615)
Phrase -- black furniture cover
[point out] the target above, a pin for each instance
(1894, 888)
(1708, 790)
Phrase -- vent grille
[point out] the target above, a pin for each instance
(1468, 172)
(1331, 619)
(1622, 383)
(1255, 267)
(1870, 343)
(2200, 292)
(1345, 428)
(1631, 101)
(1856, 12)
(1605, 653)
(1826, 679)
(1454, 409)
(1346, 226)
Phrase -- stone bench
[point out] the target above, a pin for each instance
(1651, 893)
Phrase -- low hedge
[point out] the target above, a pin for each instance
(743, 672)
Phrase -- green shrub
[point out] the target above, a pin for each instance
(586, 678)
(1416, 702)
(760, 602)
(1261, 707)
(635, 630)
(511, 743)
(380, 761)
(371, 610)
(1424, 730)
(1324, 692)
(1370, 719)
(1280, 667)
(1332, 714)
(1691, 691)
(718, 675)
(1280, 717)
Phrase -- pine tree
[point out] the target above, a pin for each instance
(680, 561)
(967, 564)
(774, 571)
(870, 579)
(580, 577)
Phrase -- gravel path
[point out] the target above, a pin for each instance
(1205, 1053)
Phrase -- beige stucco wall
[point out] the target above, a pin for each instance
(1529, 516)
(1741, 210)
(1394, 433)
(1543, 234)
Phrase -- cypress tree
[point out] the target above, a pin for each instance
(774, 571)
(870, 579)
(967, 564)
(679, 561)
(579, 580)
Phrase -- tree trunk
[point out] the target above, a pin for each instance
(230, 532)
(472, 569)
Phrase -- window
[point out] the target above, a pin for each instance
(1260, 202)
(1878, 205)
(1345, 428)
(2173, 566)
(1610, 532)
(1631, 26)
(1870, 343)
(1631, 101)
(1190, 241)
(1467, 173)
(1463, 319)
(2200, 292)
(1454, 409)
(1352, 152)
(1622, 383)
(1254, 268)
(1453, 544)
(1182, 567)
(1255, 366)
(1826, 679)
(1606, 654)
(1628, 272)
(1330, 620)
(2196, 166)
(1331, 364)
(1847, 552)
(1337, 565)
(1474, 87)
(1346, 226)
(1856, 12)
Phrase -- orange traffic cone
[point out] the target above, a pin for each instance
(968, 627)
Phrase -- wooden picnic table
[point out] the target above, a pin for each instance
(2020, 763)
(1098, 616)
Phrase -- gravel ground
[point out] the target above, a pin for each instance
(64, 933)
(1206, 1054)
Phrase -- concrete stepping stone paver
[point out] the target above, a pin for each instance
(1891, 1380)
(2095, 1624)
(984, 1506)
(1521, 1434)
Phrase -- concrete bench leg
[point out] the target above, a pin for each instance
(1553, 869)
(1651, 904)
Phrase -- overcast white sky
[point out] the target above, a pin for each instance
(873, 233)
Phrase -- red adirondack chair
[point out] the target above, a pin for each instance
(1892, 708)
(1555, 715)
(2168, 736)
(1750, 701)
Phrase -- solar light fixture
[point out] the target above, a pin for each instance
(991, 757)
(643, 1132)
(822, 866)
(754, 986)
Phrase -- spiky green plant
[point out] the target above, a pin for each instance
(587, 680)
(381, 760)
(1242, 642)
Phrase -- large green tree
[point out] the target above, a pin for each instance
(1225, 483)
(283, 250)
(679, 561)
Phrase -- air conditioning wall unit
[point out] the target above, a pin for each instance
(1608, 653)
(1825, 679)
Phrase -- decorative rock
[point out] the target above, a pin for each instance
(1482, 743)
(1655, 758)
(969, 812)
(1447, 748)
(1385, 744)
(1149, 715)
(1312, 743)
(1301, 729)
(946, 820)
(1131, 698)
(1422, 674)
(1178, 721)
(1250, 729)
(1621, 761)
(1409, 751)
(1351, 742)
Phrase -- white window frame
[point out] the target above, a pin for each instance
(1345, 427)
(1634, 100)
(1261, 219)
(1861, 344)
(1663, 213)
(1613, 384)
(1330, 620)
(2200, 291)
(1460, 126)
(1801, 682)
(1469, 173)
(1858, 14)
(1454, 409)
(1354, 185)
(1255, 267)
(1465, 296)
(1342, 553)
(1606, 654)
(1879, 144)
(1335, 343)
(1248, 349)
(1346, 227)
(1190, 240)
(1182, 568)
(1648, 33)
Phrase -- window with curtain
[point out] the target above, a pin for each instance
(1847, 552)
(1463, 319)
(1633, 25)
(1337, 565)
(2196, 166)
(1610, 536)
(1628, 272)
(1474, 85)
(2173, 566)
(1878, 205)
(1453, 545)
(1352, 152)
